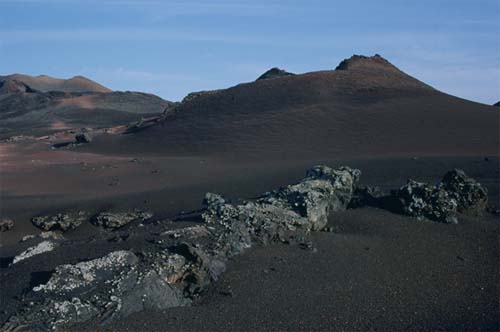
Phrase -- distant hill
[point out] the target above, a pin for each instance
(25, 110)
(367, 106)
(45, 83)
(497, 104)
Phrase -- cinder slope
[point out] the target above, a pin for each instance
(366, 107)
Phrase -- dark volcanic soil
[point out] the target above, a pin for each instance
(378, 271)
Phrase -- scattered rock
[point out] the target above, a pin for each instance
(42, 247)
(6, 224)
(60, 221)
(179, 264)
(83, 138)
(114, 220)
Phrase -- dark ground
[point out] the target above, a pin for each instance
(377, 272)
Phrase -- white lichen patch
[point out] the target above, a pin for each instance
(42, 247)
(70, 277)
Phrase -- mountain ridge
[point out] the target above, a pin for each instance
(45, 83)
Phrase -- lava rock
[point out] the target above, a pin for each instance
(322, 191)
(114, 220)
(6, 224)
(422, 200)
(471, 197)
(60, 221)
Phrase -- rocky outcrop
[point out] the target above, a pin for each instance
(114, 220)
(60, 221)
(455, 193)
(6, 224)
(421, 200)
(471, 197)
(124, 282)
(178, 267)
(273, 73)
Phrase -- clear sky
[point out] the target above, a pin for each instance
(171, 48)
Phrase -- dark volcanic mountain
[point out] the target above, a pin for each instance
(25, 110)
(366, 106)
(274, 72)
(46, 83)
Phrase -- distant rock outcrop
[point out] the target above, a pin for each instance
(361, 60)
(273, 73)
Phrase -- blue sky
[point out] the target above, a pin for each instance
(171, 48)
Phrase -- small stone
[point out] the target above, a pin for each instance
(6, 224)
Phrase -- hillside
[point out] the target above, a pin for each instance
(28, 111)
(366, 106)
(46, 83)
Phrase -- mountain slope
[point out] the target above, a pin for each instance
(366, 106)
(46, 83)
(26, 111)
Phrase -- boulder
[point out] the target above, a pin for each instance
(83, 138)
(471, 197)
(322, 191)
(6, 224)
(114, 220)
(60, 221)
(422, 200)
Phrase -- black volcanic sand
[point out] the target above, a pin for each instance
(168, 186)
(378, 271)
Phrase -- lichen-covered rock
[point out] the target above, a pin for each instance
(324, 190)
(124, 282)
(114, 220)
(6, 224)
(471, 197)
(240, 227)
(422, 200)
(40, 248)
(112, 286)
(60, 221)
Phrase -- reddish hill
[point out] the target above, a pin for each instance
(45, 83)
(366, 106)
